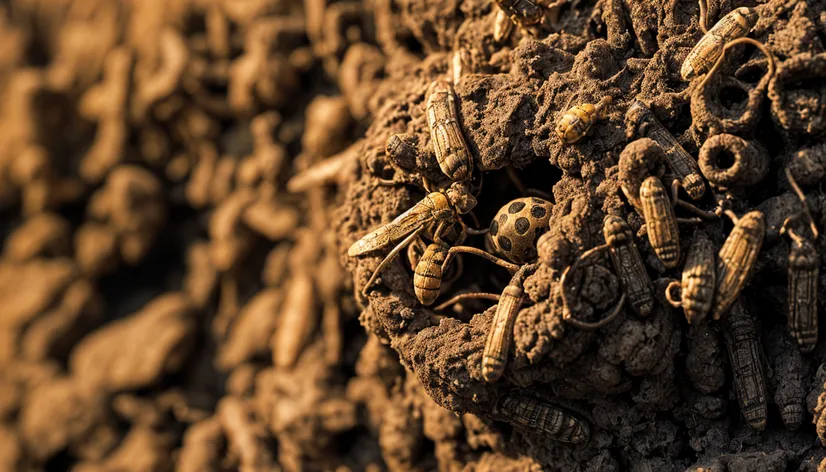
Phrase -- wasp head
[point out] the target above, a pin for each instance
(460, 197)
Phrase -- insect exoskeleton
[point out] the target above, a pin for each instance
(502, 26)
(684, 166)
(449, 144)
(736, 259)
(698, 281)
(538, 417)
(427, 276)
(705, 53)
(498, 344)
(746, 359)
(442, 208)
(660, 222)
(516, 227)
(628, 264)
(576, 122)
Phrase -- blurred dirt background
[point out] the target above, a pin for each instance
(167, 304)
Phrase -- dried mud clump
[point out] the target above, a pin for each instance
(180, 183)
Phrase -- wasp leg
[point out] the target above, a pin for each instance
(396, 250)
(478, 252)
(467, 296)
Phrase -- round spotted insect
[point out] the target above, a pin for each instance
(516, 227)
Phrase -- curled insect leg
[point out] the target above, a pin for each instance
(460, 267)
(669, 294)
(704, 16)
(568, 317)
(804, 202)
(567, 291)
(396, 250)
(676, 201)
(467, 296)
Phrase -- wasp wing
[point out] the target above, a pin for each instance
(404, 224)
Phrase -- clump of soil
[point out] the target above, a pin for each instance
(177, 293)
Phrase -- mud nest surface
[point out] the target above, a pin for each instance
(170, 302)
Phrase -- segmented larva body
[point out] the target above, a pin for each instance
(628, 264)
(698, 280)
(498, 344)
(427, 277)
(736, 259)
(541, 418)
(684, 166)
(746, 360)
(804, 272)
(449, 144)
(660, 221)
(706, 52)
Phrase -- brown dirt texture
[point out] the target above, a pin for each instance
(180, 181)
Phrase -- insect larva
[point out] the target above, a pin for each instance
(628, 264)
(706, 52)
(684, 166)
(660, 222)
(500, 336)
(538, 417)
(698, 281)
(736, 258)
(449, 144)
(803, 274)
(746, 358)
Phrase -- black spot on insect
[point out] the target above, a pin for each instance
(538, 211)
(504, 243)
(494, 227)
(537, 201)
(522, 225)
(503, 218)
(516, 207)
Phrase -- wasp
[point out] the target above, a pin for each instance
(576, 122)
(432, 265)
(803, 277)
(684, 166)
(746, 359)
(535, 416)
(452, 151)
(698, 281)
(736, 258)
(636, 285)
(441, 207)
(705, 53)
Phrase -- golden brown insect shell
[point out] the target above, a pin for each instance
(525, 12)
(736, 259)
(516, 227)
(803, 275)
(660, 221)
(706, 52)
(427, 277)
(575, 123)
(698, 280)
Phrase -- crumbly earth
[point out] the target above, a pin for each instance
(172, 300)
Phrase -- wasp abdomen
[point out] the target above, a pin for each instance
(427, 277)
